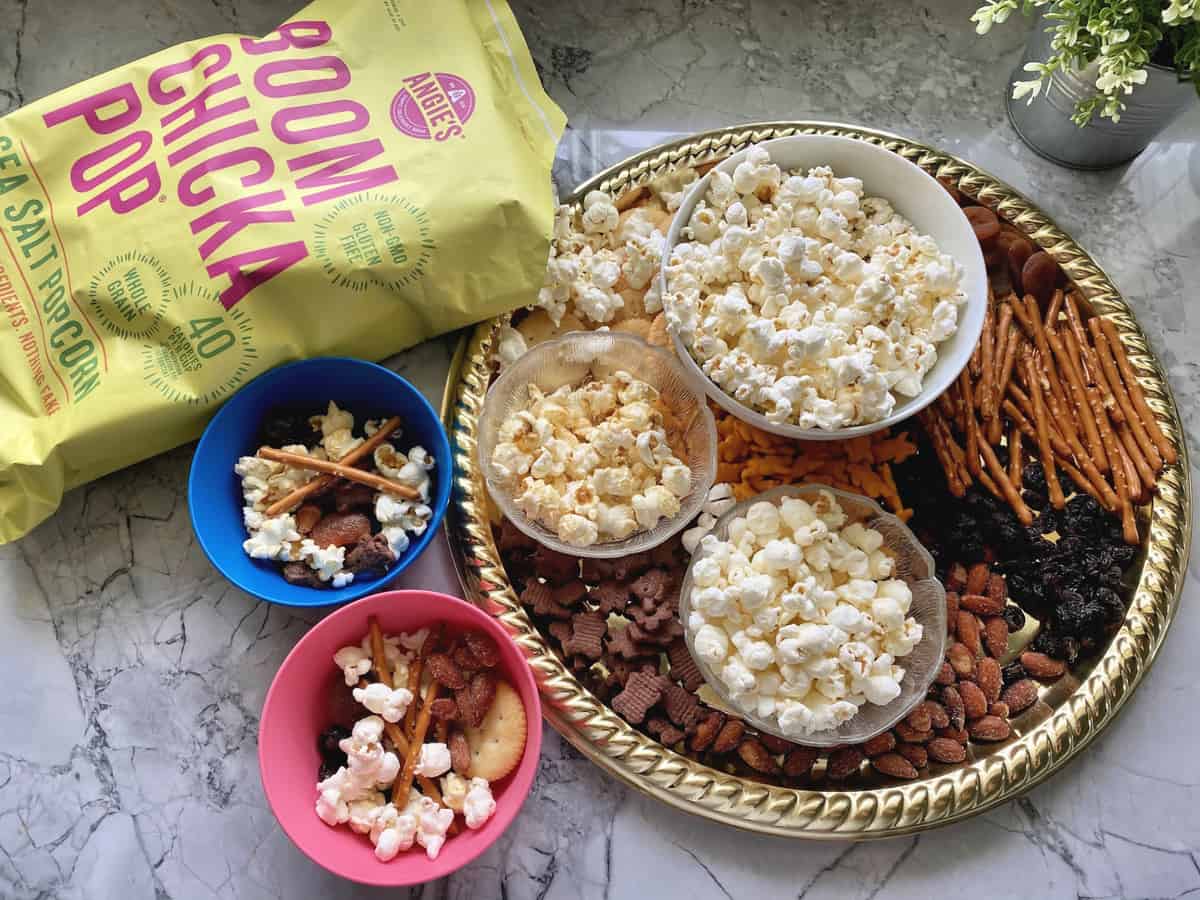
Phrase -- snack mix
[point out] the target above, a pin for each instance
(432, 722)
(806, 301)
(329, 505)
(1022, 482)
(592, 462)
(797, 616)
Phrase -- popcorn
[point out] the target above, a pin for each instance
(433, 761)
(478, 805)
(383, 701)
(433, 822)
(273, 539)
(454, 791)
(355, 662)
(786, 613)
(510, 346)
(327, 562)
(393, 831)
(591, 463)
(807, 301)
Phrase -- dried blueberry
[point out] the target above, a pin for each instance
(1013, 672)
(1034, 478)
(282, 427)
(327, 743)
(1014, 618)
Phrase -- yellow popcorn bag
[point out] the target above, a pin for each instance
(366, 176)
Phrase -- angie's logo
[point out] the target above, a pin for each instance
(433, 105)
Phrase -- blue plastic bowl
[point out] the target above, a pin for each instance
(368, 391)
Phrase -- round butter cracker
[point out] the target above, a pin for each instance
(499, 742)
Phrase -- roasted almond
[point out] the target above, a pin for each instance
(998, 709)
(729, 736)
(306, 517)
(1041, 666)
(961, 660)
(956, 577)
(955, 708)
(995, 636)
(906, 732)
(776, 745)
(975, 704)
(997, 588)
(945, 675)
(951, 613)
(945, 750)
(799, 762)
(914, 753)
(989, 728)
(937, 714)
(954, 734)
(446, 671)
(919, 719)
(895, 765)
(968, 632)
(707, 730)
(843, 763)
(989, 678)
(757, 757)
(881, 743)
(981, 604)
(1020, 695)
(977, 577)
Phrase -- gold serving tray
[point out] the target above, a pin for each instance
(1071, 713)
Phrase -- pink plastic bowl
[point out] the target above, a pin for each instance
(300, 705)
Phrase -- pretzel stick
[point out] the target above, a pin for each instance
(1081, 481)
(1029, 317)
(1128, 526)
(1134, 387)
(1132, 421)
(987, 375)
(1011, 346)
(949, 468)
(1089, 360)
(973, 362)
(403, 784)
(1091, 430)
(400, 742)
(299, 461)
(1133, 453)
(1052, 309)
(1024, 408)
(1014, 457)
(956, 453)
(945, 405)
(972, 434)
(1003, 336)
(1101, 487)
(319, 484)
(1094, 399)
(1057, 500)
(1011, 494)
(414, 675)
(1019, 419)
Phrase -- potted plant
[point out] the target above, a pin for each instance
(1107, 75)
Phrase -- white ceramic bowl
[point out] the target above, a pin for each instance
(568, 360)
(915, 195)
(914, 566)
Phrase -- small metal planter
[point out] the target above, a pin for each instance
(1046, 126)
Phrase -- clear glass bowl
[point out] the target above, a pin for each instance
(569, 360)
(914, 566)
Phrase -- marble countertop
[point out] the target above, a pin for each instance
(136, 674)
